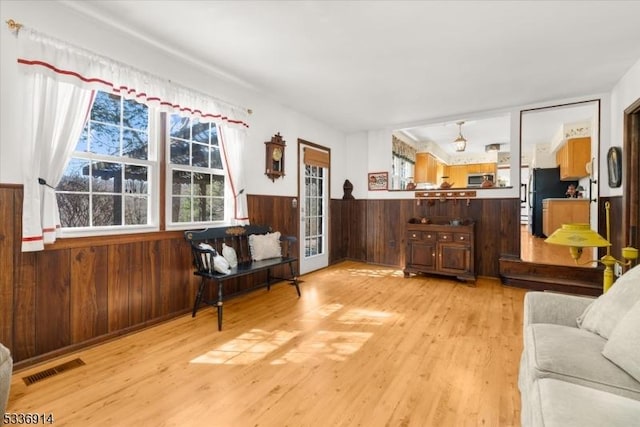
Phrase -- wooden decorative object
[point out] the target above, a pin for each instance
(274, 157)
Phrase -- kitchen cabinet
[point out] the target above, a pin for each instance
(426, 168)
(573, 157)
(556, 212)
(441, 249)
(458, 173)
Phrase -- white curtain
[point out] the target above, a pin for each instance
(232, 140)
(59, 80)
(44, 55)
(55, 114)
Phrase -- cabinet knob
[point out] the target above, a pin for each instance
(444, 237)
(428, 236)
(414, 235)
(461, 237)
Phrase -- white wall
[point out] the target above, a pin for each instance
(352, 156)
(60, 21)
(625, 93)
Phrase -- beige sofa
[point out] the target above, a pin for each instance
(581, 360)
(6, 368)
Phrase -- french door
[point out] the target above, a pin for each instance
(314, 207)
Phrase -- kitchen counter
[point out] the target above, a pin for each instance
(556, 211)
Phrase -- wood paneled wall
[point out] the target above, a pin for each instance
(81, 291)
(374, 230)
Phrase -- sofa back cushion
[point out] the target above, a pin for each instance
(623, 347)
(603, 314)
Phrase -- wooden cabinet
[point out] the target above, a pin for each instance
(573, 157)
(458, 173)
(482, 168)
(441, 249)
(426, 168)
(556, 212)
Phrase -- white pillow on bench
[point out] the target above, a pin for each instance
(265, 246)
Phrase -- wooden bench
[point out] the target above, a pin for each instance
(238, 238)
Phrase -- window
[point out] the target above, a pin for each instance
(106, 182)
(112, 180)
(402, 171)
(196, 175)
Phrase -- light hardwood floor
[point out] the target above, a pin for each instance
(534, 249)
(363, 346)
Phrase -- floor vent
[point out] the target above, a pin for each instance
(47, 373)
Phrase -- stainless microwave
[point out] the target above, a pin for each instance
(476, 179)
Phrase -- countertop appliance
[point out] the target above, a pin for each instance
(474, 180)
(544, 184)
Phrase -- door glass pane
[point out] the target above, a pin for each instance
(314, 208)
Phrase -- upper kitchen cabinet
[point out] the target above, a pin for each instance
(573, 157)
(426, 169)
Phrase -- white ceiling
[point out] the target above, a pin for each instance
(360, 65)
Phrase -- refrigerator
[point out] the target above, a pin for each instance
(544, 184)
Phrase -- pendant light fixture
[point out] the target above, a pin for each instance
(461, 142)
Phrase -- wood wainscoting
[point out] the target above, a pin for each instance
(81, 291)
(374, 230)
(78, 292)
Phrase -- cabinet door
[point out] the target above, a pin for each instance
(420, 168)
(573, 157)
(454, 258)
(458, 176)
(422, 255)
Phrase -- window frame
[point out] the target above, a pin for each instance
(159, 183)
(170, 167)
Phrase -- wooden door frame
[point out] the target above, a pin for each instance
(631, 175)
(301, 143)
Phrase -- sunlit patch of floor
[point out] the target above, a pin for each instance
(375, 272)
(321, 312)
(247, 348)
(332, 345)
(362, 316)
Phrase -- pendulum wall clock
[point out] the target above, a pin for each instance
(274, 166)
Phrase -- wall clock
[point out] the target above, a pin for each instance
(274, 157)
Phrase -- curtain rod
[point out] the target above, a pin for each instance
(15, 27)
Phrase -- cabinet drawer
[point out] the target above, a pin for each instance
(461, 237)
(445, 237)
(422, 235)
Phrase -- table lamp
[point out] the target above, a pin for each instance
(578, 236)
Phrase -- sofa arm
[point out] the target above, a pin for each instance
(557, 309)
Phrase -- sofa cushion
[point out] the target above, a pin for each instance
(603, 314)
(574, 355)
(565, 404)
(623, 347)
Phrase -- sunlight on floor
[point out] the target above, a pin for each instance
(333, 345)
(364, 317)
(321, 312)
(249, 347)
(375, 272)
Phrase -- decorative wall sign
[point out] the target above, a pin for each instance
(614, 166)
(378, 181)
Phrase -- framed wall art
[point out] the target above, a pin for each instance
(614, 166)
(378, 181)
